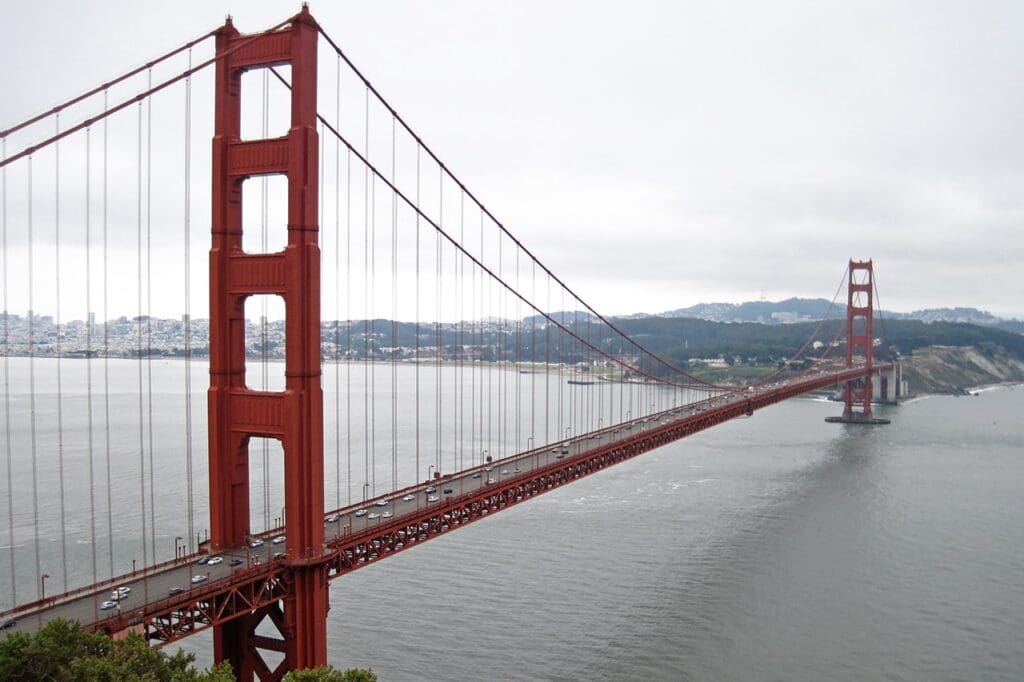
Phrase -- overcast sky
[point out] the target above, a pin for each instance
(660, 154)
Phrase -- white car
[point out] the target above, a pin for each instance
(381, 503)
(408, 498)
(386, 515)
(107, 605)
(374, 516)
(433, 498)
(196, 579)
(279, 540)
(123, 590)
(333, 518)
(214, 560)
(360, 513)
(256, 543)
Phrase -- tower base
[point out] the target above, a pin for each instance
(856, 418)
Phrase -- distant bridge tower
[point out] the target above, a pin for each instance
(295, 415)
(857, 393)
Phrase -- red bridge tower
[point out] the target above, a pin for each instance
(237, 413)
(859, 337)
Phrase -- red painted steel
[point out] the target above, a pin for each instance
(859, 335)
(236, 413)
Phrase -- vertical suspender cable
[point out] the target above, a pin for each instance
(457, 343)
(89, 324)
(394, 317)
(60, 385)
(138, 345)
(149, 314)
(348, 318)
(519, 349)
(437, 323)
(533, 356)
(106, 350)
(373, 334)
(366, 303)
(502, 404)
(337, 287)
(190, 501)
(416, 347)
(490, 368)
(547, 367)
(472, 366)
(7, 379)
(32, 378)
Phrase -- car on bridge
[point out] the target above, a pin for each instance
(258, 542)
(107, 605)
(360, 513)
(196, 579)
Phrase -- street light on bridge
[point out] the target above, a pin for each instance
(42, 585)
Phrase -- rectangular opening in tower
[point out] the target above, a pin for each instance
(266, 103)
(265, 342)
(265, 214)
(266, 485)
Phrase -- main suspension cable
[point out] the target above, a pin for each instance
(445, 170)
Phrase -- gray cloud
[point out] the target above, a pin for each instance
(659, 154)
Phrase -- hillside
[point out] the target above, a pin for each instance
(811, 309)
(953, 369)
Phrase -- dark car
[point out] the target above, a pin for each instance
(175, 590)
(9, 623)
(448, 491)
(235, 562)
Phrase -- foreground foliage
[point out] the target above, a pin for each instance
(329, 674)
(64, 651)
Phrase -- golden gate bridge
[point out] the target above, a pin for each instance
(507, 385)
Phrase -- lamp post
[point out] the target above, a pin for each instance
(429, 470)
(529, 443)
(366, 488)
(177, 539)
(42, 585)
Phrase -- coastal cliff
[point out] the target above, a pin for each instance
(953, 369)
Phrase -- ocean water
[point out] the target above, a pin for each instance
(772, 548)
(777, 547)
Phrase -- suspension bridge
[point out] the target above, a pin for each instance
(330, 445)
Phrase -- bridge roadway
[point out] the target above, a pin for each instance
(174, 599)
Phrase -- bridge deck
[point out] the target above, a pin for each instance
(248, 578)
